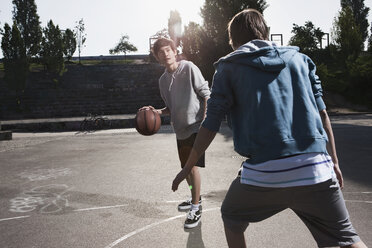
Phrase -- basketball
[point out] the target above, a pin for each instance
(147, 122)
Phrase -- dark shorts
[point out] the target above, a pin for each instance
(184, 148)
(320, 206)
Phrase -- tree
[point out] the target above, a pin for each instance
(161, 34)
(81, 36)
(216, 14)
(52, 49)
(196, 46)
(307, 37)
(123, 46)
(347, 36)
(15, 61)
(175, 27)
(370, 41)
(360, 14)
(361, 80)
(191, 42)
(69, 44)
(27, 20)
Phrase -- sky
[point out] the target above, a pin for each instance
(106, 21)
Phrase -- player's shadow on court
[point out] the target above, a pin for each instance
(195, 239)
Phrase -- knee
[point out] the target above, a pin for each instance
(234, 226)
(194, 171)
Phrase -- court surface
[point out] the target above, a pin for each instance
(113, 189)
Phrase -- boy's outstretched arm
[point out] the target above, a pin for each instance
(331, 146)
(202, 141)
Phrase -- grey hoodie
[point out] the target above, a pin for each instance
(183, 92)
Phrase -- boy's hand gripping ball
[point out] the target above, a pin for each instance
(147, 121)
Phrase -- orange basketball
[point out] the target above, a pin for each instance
(147, 122)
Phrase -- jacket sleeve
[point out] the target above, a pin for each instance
(316, 86)
(220, 101)
(200, 85)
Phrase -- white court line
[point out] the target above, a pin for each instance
(97, 208)
(14, 218)
(357, 192)
(358, 201)
(150, 226)
(174, 201)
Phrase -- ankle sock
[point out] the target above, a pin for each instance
(195, 207)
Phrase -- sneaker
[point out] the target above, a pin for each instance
(193, 219)
(186, 205)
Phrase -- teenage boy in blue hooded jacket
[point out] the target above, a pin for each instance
(280, 123)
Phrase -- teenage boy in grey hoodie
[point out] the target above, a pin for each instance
(185, 93)
(280, 123)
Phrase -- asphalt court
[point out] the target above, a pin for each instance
(113, 189)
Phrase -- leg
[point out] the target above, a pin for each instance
(234, 239)
(246, 203)
(322, 208)
(356, 245)
(193, 179)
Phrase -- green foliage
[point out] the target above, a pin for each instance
(333, 78)
(344, 71)
(15, 60)
(175, 27)
(212, 41)
(20, 43)
(370, 42)
(81, 35)
(347, 35)
(161, 34)
(196, 47)
(352, 79)
(307, 37)
(217, 13)
(27, 20)
(123, 46)
(52, 49)
(69, 43)
(192, 42)
(360, 14)
(361, 80)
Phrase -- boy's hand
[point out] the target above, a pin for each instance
(147, 107)
(179, 178)
(339, 175)
(159, 111)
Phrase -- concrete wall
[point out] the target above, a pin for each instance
(96, 89)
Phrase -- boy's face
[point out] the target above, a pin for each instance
(166, 55)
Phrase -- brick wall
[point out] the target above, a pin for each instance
(97, 89)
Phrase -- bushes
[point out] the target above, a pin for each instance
(360, 80)
(351, 78)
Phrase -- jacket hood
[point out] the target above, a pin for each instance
(264, 55)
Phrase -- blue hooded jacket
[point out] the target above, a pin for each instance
(273, 98)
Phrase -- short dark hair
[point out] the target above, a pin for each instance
(161, 42)
(245, 26)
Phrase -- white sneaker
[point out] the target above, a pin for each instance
(193, 218)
